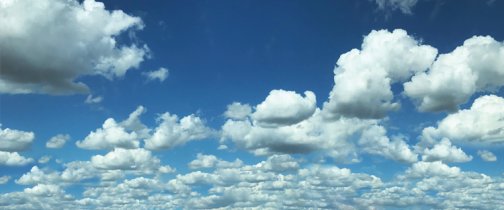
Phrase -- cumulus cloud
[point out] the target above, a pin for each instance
(487, 155)
(404, 5)
(44, 159)
(13, 159)
(446, 152)
(173, 132)
(4, 179)
(15, 140)
(57, 141)
(238, 111)
(375, 141)
(111, 135)
(285, 108)
(161, 74)
(363, 78)
(476, 66)
(482, 123)
(47, 49)
(127, 159)
(211, 161)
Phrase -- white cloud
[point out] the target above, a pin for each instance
(161, 74)
(111, 135)
(127, 159)
(57, 141)
(38, 176)
(363, 78)
(285, 108)
(210, 161)
(44, 159)
(487, 155)
(13, 159)
(476, 66)
(173, 132)
(446, 152)
(4, 179)
(375, 141)
(15, 140)
(47, 49)
(436, 168)
(93, 100)
(238, 111)
(404, 5)
(480, 124)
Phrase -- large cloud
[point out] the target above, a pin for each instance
(46, 45)
(15, 140)
(476, 66)
(363, 78)
(482, 124)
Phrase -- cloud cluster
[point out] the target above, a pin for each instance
(11, 142)
(47, 49)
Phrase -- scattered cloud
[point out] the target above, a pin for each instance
(57, 141)
(93, 100)
(15, 140)
(405, 6)
(238, 111)
(446, 152)
(13, 159)
(487, 155)
(4, 179)
(161, 74)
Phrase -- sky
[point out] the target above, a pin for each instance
(369, 104)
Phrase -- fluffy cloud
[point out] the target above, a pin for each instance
(480, 124)
(363, 78)
(13, 159)
(476, 66)
(127, 159)
(15, 140)
(173, 132)
(161, 74)
(285, 108)
(238, 111)
(111, 135)
(210, 161)
(47, 49)
(445, 152)
(4, 179)
(375, 141)
(487, 155)
(404, 5)
(57, 141)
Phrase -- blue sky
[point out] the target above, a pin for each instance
(377, 104)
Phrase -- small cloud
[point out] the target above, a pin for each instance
(161, 74)
(487, 155)
(44, 159)
(93, 100)
(57, 141)
(4, 179)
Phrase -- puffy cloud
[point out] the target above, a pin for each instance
(44, 190)
(13, 159)
(4, 179)
(363, 78)
(161, 74)
(436, 168)
(44, 159)
(39, 176)
(404, 5)
(285, 108)
(487, 155)
(111, 135)
(476, 66)
(15, 140)
(47, 49)
(375, 141)
(133, 123)
(93, 100)
(238, 111)
(57, 141)
(480, 124)
(445, 152)
(173, 132)
(210, 161)
(127, 159)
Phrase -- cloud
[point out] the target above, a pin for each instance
(446, 152)
(4, 179)
(481, 124)
(161, 74)
(49, 48)
(13, 159)
(211, 161)
(111, 135)
(404, 5)
(487, 155)
(127, 159)
(476, 66)
(44, 159)
(93, 100)
(284, 108)
(57, 141)
(173, 132)
(375, 141)
(363, 78)
(15, 140)
(238, 111)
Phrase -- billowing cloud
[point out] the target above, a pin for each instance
(15, 140)
(57, 141)
(127, 159)
(363, 78)
(47, 49)
(481, 124)
(161, 74)
(404, 5)
(13, 159)
(111, 135)
(238, 111)
(375, 141)
(446, 152)
(285, 108)
(211, 161)
(173, 132)
(487, 155)
(476, 66)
